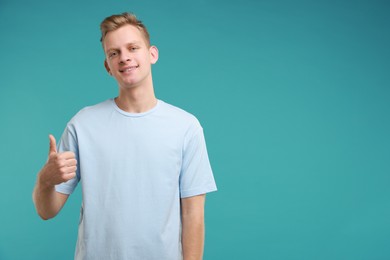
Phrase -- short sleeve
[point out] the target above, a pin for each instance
(196, 176)
(68, 142)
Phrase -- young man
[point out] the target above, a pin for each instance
(142, 163)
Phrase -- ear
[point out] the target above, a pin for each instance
(153, 54)
(107, 68)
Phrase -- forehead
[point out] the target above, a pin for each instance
(122, 36)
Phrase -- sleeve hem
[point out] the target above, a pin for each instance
(64, 189)
(198, 191)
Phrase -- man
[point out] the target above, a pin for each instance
(142, 163)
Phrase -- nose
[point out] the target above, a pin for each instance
(125, 56)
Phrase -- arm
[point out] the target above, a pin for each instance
(47, 201)
(60, 167)
(193, 227)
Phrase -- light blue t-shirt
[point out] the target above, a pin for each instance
(134, 168)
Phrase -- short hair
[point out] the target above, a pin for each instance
(116, 21)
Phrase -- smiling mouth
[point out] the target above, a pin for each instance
(128, 69)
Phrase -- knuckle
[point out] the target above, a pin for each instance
(70, 154)
(61, 164)
(72, 162)
(69, 176)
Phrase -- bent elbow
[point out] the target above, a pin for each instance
(45, 215)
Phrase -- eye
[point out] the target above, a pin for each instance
(133, 48)
(112, 54)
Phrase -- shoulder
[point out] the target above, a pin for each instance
(93, 112)
(183, 120)
(179, 114)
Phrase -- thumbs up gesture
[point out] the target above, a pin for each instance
(60, 167)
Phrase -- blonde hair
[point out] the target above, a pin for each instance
(116, 21)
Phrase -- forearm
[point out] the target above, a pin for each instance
(193, 236)
(47, 201)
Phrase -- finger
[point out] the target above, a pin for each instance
(70, 169)
(71, 162)
(69, 176)
(63, 163)
(67, 155)
(53, 145)
(67, 170)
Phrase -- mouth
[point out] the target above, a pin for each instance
(128, 69)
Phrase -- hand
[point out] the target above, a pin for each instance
(60, 167)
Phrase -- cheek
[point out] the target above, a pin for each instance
(107, 65)
(111, 67)
(146, 57)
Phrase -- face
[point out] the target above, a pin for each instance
(128, 57)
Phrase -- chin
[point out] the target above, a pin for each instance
(128, 85)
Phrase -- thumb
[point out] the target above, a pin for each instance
(53, 146)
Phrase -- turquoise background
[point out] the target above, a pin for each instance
(294, 97)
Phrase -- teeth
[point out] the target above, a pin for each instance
(129, 69)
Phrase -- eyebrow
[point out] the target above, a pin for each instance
(127, 44)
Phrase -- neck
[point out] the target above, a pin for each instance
(136, 99)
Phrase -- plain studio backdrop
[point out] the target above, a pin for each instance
(294, 98)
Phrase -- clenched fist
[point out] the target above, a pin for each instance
(60, 167)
